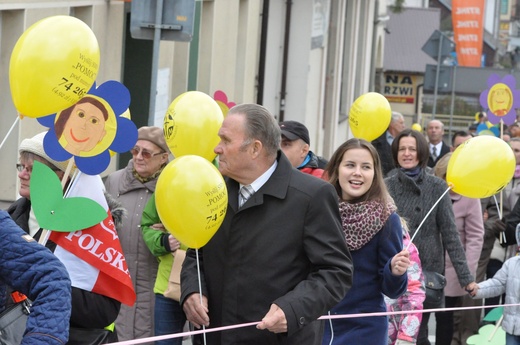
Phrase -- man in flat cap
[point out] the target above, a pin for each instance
(296, 146)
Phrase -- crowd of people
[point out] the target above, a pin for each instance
(306, 246)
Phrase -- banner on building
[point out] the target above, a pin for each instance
(399, 88)
(468, 29)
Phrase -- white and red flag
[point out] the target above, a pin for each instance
(93, 256)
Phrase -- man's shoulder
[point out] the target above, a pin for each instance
(380, 140)
(306, 182)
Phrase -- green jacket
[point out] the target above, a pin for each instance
(154, 240)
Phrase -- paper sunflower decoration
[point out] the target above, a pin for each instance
(501, 99)
(222, 100)
(91, 128)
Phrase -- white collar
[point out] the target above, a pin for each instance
(262, 179)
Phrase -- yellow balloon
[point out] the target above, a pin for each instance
(369, 116)
(191, 125)
(53, 64)
(482, 166)
(417, 127)
(126, 114)
(191, 198)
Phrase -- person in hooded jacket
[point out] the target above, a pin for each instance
(31, 269)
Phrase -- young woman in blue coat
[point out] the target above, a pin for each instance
(374, 236)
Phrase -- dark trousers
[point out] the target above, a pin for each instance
(444, 321)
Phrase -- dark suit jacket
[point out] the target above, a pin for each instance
(385, 153)
(284, 246)
(444, 149)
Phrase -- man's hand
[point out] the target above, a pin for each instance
(196, 313)
(274, 320)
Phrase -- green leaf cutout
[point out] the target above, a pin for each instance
(494, 314)
(484, 334)
(52, 211)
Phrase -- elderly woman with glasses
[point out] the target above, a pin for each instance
(90, 312)
(31, 150)
(133, 186)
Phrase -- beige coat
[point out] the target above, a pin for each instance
(136, 321)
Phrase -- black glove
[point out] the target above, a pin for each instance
(498, 226)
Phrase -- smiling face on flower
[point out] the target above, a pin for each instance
(82, 127)
(92, 129)
(355, 173)
(85, 128)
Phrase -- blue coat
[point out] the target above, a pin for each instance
(372, 278)
(32, 269)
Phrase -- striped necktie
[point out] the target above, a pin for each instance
(434, 153)
(244, 194)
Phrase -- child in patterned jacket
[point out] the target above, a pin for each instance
(403, 329)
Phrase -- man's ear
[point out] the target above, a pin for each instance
(305, 149)
(256, 148)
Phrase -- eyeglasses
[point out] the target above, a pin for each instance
(145, 154)
(21, 167)
(29, 168)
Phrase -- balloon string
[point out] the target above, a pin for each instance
(502, 237)
(424, 219)
(499, 322)
(498, 206)
(200, 290)
(9, 132)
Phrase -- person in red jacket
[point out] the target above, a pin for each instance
(296, 146)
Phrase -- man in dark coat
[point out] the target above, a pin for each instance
(281, 257)
(438, 148)
(383, 144)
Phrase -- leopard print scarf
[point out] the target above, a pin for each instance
(363, 220)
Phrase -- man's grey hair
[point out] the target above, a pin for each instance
(397, 116)
(260, 125)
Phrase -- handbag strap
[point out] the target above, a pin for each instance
(178, 259)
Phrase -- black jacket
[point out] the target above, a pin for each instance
(385, 153)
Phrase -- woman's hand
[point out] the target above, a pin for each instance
(174, 243)
(472, 288)
(400, 262)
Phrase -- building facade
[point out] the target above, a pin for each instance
(304, 60)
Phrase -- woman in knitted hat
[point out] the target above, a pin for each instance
(31, 150)
(415, 192)
(133, 186)
(91, 312)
